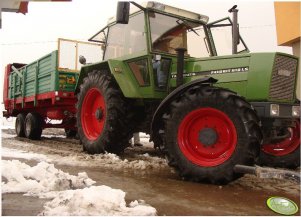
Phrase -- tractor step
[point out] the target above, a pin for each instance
(266, 172)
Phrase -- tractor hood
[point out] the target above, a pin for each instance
(256, 76)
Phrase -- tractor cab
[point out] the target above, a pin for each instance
(148, 38)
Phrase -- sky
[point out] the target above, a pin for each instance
(25, 38)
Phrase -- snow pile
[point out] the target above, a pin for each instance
(95, 200)
(109, 160)
(71, 195)
(6, 135)
(55, 136)
(15, 153)
(7, 123)
(43, 177)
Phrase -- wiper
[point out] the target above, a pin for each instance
(187, 24)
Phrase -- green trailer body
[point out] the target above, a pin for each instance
(41, 87)
(40, 77)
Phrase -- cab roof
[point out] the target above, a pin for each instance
(157, 6)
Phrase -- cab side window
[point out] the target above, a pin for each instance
(126, 39)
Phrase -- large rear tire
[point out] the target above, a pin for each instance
(19, 125)
(102, 115)
(284, 154)
(208, 131)
(33, 126)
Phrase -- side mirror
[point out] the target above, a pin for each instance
(82, 60)
(123, 12)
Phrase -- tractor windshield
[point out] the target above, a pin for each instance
(169, 33)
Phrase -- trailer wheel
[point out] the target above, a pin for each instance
(284, 154)
(33, 126)
(102, 115)
(208, 131)
(70, 133)
(19, 125)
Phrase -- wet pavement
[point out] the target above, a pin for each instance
(160, 188)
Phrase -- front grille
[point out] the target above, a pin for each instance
(283, 78)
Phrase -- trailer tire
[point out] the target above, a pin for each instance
(70, 133)
(208, 131)
(285, 154)
(19, 125)
(33, 126)
(103, 115)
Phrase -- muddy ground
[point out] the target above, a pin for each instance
(156, 184)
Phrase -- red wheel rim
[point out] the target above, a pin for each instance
(93, 114)
(287, 145)
(191, 137)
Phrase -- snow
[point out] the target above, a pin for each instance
(7, 123)
(107, 160)
(52, 136)
(6, 135)
(71, 195)
(15, 153)
(44, 177)
(95, 200)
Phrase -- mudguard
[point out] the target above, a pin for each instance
(88, 68)
(155, 125)
(119, 69)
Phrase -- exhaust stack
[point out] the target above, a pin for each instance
(235, 29)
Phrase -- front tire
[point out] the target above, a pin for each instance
(19, 125)
(208, 131)
(102, 115)
(284, 154)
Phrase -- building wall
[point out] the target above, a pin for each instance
(287, 22)
(287, 16)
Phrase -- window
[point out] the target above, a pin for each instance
(140, 71)
(161, 70)
(196, 44)
(169, 33)
(222, 35)
(124, 39)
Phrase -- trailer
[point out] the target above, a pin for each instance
(43, 90)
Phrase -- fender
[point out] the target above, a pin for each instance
(155, 125)
(122, 75)
(88, 68)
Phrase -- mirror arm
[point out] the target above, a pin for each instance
(206, 44)
(137, 5)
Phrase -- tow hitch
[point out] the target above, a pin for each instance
(266, 172)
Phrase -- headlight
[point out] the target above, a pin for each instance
(274, 110)
(296, 111)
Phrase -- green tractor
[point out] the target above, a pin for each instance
(208, 105)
